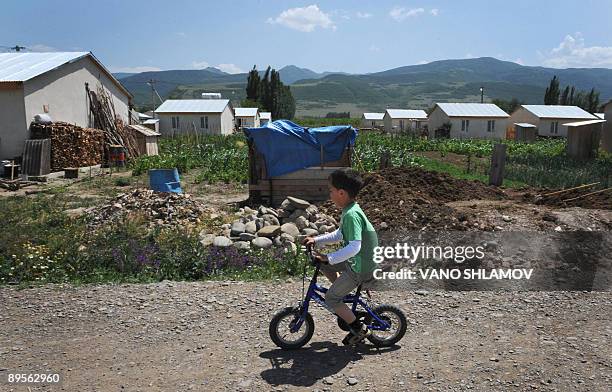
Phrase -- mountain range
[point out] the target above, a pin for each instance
(412, 86)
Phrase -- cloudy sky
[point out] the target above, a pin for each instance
(350, 36)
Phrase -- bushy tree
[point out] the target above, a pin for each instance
(272, 95)
(551, 96)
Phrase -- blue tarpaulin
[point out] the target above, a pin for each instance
(288, 147)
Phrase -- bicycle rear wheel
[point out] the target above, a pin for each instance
(396, 318)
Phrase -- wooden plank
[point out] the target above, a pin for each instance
(309, 173)
(498, 162)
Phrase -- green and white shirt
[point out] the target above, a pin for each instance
(359, 238)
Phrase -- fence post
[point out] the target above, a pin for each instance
(385, 160)
(498, 161)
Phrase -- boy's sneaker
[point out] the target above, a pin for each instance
(358, 332)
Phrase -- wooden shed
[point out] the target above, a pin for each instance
(583, 138)
(310, 184)
(525, 132)
(146, 139)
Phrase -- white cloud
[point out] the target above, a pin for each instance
(374, 48)
(181, 33)
(305, 19)
(434, 11)
(200, 64)
(519, 61)
(137, 69)
(401, 13)
(364, 15)
(572, 52)
(230, 68)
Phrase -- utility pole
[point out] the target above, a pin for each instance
(151, 83)
(481, 94)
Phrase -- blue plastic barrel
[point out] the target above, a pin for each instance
(165, 180)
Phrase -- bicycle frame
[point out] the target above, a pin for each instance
(314, 292)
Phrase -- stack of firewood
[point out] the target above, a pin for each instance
(103, 114)
(71, 145)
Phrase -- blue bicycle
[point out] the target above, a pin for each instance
(293, 327)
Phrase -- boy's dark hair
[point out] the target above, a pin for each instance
(347, 179)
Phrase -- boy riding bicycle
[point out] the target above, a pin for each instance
(354, 261)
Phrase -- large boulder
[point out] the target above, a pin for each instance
(222, 242)
(269, 231)
(291, 229)
(297, 213)
(298, 203)
(271, 219)
(287, 206)
(250, 227)
(247, 237)
(310, 232)
(262, 242)
(237, 228)
(301, 222)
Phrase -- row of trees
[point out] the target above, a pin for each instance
(269, 94)
(571, 97)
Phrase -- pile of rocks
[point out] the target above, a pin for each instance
(266, 227)
(159, 209)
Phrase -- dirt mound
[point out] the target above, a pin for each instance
(413, 199)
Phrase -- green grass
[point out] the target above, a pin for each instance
(41, 244)
(543, 163)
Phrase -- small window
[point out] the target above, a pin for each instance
(175, 122)
(465, 125)
(554, 127)
(201, 122)
(491, 126)
(206, 122)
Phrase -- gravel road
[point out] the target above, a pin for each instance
(212, 336)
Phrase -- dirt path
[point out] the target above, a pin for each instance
(212, 336)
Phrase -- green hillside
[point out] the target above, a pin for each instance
(414, 86)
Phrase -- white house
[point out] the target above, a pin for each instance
(264, 117)
(207, 116)
(549, 119)
(470, 120)
(372, 120)
(398, 120)
(246, 117)
(52, 83)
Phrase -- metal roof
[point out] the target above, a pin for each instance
(193, 106)
(245, 112)
(19, 67)
(600, 115)
(559, 111)
(409, 114)
(151, 121)
(373, 116)
(265, 115)
(462, 109)
(525, 125)
(144, 130)
(581, 123)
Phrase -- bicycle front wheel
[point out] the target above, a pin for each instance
(398, 324)
(280, 329)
